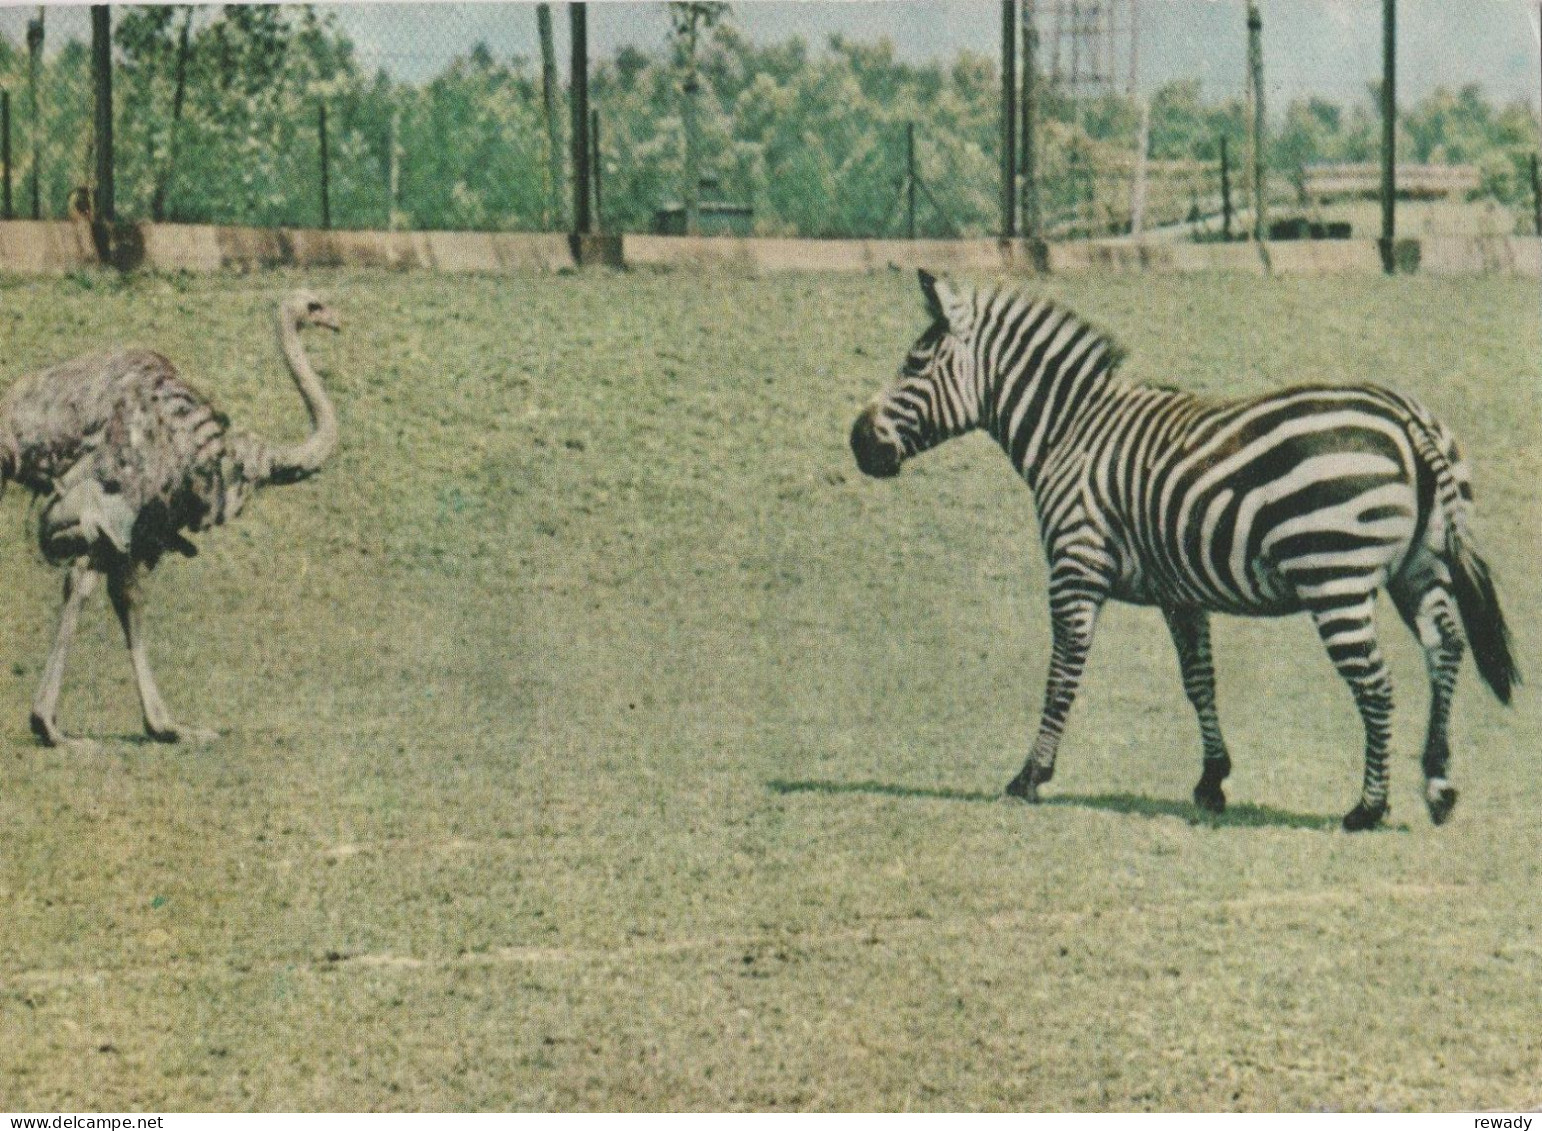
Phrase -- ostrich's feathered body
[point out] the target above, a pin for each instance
(129, 451)
(130, 456)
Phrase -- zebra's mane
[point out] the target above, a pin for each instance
(1016, 299)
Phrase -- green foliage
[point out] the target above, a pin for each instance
(813, 140)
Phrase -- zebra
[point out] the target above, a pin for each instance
(1310, 499)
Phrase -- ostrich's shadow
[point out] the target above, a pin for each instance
(1237, 815)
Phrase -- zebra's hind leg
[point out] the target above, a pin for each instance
(1190, 630)
(1430, 611)
(1349, 633)
(1073, 618)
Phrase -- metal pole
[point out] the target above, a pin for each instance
(1256, 70)
(34, 116)
(910, 180)
(5, 150)
(1008, 118)
(579, 24)
(1225, 192)
(326, 195)
(1030, 125)
(1388, 132)
(594, 138)
(101, 70)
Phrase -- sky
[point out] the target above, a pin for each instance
(1330, 48)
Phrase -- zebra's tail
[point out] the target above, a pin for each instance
(1473, 587)
(1471, 582)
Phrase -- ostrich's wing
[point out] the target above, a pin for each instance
(82, 513)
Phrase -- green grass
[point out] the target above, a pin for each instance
(594, 736)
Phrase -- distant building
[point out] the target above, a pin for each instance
(715, 216)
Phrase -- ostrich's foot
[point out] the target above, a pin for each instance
(49, 734)
(169, 731)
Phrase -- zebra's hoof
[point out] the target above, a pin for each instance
(1361, 817)
(1024, 788)
(1441, 801)
(1211, 798)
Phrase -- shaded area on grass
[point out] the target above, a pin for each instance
(1245, 814)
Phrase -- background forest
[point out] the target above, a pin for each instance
(217, 119)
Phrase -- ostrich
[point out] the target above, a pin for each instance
(129, 456)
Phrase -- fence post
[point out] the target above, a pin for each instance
(1030, 130)
(34, 115)
(579, 24)
(1388, 133)
(594, 162)
(549, 103)
(1536, 194)
(326, 196)
(394, 170)
(102, 209)
(1138, 189)
(5, 150)
(1256, 71)
(1008, 119)
(910, 180)
(1225, 192)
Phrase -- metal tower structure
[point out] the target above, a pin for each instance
(1093, 45)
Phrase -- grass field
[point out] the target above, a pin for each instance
(594, 736)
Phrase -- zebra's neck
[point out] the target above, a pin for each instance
(1044, 367)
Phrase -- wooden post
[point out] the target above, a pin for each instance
(910, 180)
(1008, 119)
(5, 150)
(1256, 71)
(101, 73)
(1536, 194)
(553, 128)
(326, 193)
(594, 139)
(579, 24)
(34, 113)
(1388, 133)
(1030, 112)
(1225, 192)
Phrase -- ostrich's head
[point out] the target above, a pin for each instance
(303, 308)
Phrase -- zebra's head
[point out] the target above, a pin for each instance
(937, 395)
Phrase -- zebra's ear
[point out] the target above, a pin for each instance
(945, 303)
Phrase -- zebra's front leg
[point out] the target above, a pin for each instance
(1073, 618)
(1190, 629)
(1349, 632)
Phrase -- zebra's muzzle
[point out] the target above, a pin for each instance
(875, 457)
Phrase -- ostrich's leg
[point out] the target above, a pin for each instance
(123, 588)
(78, 585)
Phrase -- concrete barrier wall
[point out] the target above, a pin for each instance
(43, 247)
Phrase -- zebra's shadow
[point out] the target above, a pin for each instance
(1237, 815)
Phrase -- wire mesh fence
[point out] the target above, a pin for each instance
(456, 117)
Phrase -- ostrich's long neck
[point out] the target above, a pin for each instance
(299, 460)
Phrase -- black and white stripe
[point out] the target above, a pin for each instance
(1311, 499)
